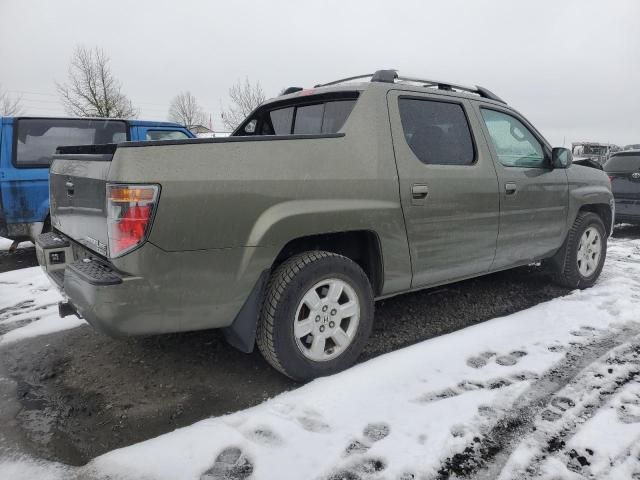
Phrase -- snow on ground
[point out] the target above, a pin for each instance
(543, 387)
(5, 243)
(29, 306)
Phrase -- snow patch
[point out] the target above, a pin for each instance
(29, 306)
(407, 413)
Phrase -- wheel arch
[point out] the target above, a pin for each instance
(361, 246)
(603, 211)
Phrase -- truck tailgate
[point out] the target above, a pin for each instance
(77, 191)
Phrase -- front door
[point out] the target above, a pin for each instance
(534, 198)
(448, 187)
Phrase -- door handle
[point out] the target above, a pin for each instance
(510, 188)
(419, 192)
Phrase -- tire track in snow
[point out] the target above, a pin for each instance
(486, 457)
(552, 438)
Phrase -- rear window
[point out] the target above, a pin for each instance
(623, 163)
(280, 121)
(36, 139)
(165, 135)
(308, 118)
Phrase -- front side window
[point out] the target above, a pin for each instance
(437, 132)
(165, 135)
(36, 139)
(514, 143)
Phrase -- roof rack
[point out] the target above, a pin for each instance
(391, 76)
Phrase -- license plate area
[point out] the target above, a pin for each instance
(53, 252)
(56, 257)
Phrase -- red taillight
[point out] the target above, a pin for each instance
(129, 209)
(611, 177)
(132, 227)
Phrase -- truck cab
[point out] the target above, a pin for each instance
(27, 145)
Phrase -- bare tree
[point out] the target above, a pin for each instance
(184, 109)
(9, 106)
(92, 90)
(245, 97)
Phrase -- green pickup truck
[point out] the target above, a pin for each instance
(321, 202)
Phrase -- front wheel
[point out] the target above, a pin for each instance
(316, 316)
(580, 260)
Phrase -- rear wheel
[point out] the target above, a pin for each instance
(580, 260)
(316, 316)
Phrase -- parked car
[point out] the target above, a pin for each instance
(321, 202)
(623, 169)
(27, 145)
(598, 152)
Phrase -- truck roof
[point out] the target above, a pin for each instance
(129, 121)
(391, 80)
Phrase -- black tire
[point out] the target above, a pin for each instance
(284, 291)
(565, 262)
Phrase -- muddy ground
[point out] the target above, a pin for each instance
(82, 394)
(21, 258)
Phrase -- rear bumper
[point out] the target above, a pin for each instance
(93, 289)
(627, 211)
(151, 291)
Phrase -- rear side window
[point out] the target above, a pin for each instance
(437, 132)
(165, 135)
(312, 118)
(515, 145)
(623, 163)
(36, 139)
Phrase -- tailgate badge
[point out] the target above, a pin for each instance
(99, 246)
(636, 175)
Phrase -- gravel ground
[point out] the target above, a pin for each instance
(82, 394)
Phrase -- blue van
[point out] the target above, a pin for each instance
(27, 145)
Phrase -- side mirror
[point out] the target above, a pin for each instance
(561, 157)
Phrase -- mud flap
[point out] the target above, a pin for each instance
(241, 334)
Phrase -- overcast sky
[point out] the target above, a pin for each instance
(571, 67)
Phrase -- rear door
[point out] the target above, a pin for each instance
(534, 198)
(623, 169)
(448, 187)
